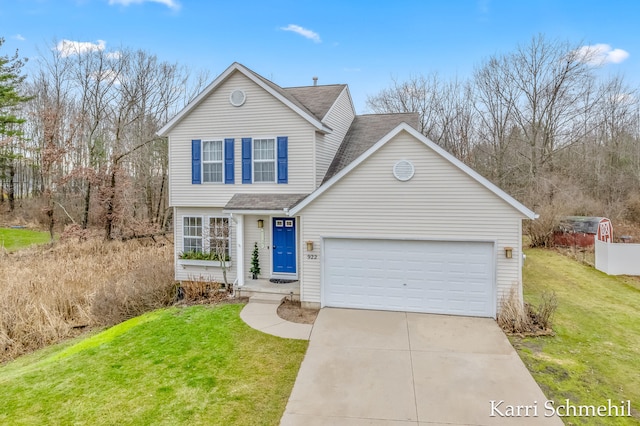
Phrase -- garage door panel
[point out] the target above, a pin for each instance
(418, 276)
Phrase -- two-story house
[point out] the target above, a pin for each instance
(362, 210)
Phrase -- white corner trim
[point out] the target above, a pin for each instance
(437, 149)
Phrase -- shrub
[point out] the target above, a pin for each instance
(518, 318)
(201, 289)
(200, 255)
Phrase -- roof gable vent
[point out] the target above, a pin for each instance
(237, 98)
(403, 170)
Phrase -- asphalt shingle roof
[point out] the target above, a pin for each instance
(364, 132)
(263, 201)
(314, 100)
(317, 99)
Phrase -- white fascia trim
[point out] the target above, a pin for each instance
(221, 78)
(256, 212)
(413, 132)
(333, 106)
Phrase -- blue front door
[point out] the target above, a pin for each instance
(284, 245)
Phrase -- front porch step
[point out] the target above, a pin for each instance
(270, 298)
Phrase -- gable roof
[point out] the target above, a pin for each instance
(364, 132)
(317, 99)
(434, 147)
(276, 91)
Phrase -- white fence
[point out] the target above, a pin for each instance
(618, 258)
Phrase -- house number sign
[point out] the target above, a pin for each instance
(312, 256)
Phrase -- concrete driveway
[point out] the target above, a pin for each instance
(395, 368)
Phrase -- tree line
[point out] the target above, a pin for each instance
(78, 134)
(84, 149)
(540, 122)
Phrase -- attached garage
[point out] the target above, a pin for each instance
(404, 226)
(442, 277)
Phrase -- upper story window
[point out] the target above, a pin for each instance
(264, 160)
(212, 161)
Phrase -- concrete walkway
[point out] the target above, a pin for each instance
(396, 368)
(261, 313)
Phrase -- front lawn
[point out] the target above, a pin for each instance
(199, 365)
(13, 239)
(595, 354)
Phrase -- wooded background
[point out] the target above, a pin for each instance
(544, 122)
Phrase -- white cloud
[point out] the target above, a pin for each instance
(69, 48)
(19, 37)
(108, 76)
(601, 54)
(114, 55)
(171, 4)
(311, 35)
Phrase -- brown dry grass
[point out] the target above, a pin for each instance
(51, 293)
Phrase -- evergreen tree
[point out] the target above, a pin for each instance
(11, 81)
(255, 262)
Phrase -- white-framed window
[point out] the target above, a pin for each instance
(192, 234)
(264, 160)
(209, 235)
(212, 161)
(220, 236)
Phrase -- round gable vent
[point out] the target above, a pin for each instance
(237, 98)
(403, 170)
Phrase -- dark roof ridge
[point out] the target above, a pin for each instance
(311, 85)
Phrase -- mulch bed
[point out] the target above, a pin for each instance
(292, 310)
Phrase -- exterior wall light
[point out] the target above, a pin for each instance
(508, 252)
(260, 223)
(309, 245)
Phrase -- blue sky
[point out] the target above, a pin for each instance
(362, 43)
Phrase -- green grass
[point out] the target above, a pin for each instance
(14, 239)
(197, 365)
(595, 353)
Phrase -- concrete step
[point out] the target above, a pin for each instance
(271, 298)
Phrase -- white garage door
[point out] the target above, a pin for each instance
(442, 277)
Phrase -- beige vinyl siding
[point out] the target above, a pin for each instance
(253, 234)
(439, 202)
(339, 118)
(190, 272)
(262, 115)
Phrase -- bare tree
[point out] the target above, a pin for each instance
(219, 232)
(446, 113)
(553, 80)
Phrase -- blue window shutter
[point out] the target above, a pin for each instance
(246, 160)
(283, 160)
(196, 163)
(229, 175)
